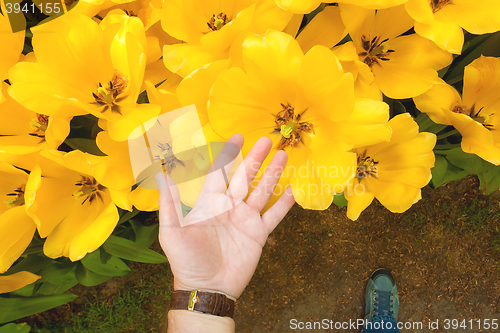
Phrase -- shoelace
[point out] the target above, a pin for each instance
(383, 300)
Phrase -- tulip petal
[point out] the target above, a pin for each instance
(477, 17)
(420, 11)
(144, 199)
(397, 197)
(415, 50)
(299, 6)
(325, 29)
(16, 281)
(399, 81)
(447, 35)
(481, 82)
(440, 96)
(323, 87)
(359, 198)
(17, 230)
(367, 125)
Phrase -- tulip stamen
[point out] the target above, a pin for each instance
(39, 125)
(375, 50)
(112, 93)
(367, 167)
(217, 22)
(479, 116)
(15, 198)
(436, 5)
(291, 129)
(90, 189)
(167, 157)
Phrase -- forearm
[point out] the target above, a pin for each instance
(183, 321)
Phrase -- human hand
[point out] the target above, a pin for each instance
(221, 252)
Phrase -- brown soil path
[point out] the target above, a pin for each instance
(441, 252)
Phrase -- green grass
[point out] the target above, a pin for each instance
(475, 218)
(136, 308)
(476, 215)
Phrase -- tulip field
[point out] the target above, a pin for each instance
(379, 104)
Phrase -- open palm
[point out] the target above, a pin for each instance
(221, 250)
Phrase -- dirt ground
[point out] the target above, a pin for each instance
(441, 253)
(444, 254)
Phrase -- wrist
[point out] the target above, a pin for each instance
(188, 321)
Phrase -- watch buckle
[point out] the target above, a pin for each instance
(192, 300)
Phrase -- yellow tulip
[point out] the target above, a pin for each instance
(16, 227)
(404, 66)
(476, 114)
(16, 281)
(209, 29)
(393, 172)
(23, 131)
(307, 6)
(83, 67)
(306, 105)
(69, 206)
(12, 44)
(442, 20)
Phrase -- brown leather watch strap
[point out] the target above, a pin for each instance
(203, 301)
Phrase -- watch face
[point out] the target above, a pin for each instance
(23, 15)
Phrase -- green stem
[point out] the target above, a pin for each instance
(447, 134)
(447, 146)
(455, 80)
(441, 152)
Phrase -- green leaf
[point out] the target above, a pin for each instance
(113, 267)
(143, 98)
(145, 236)
(18, 307)
(398, 108)
(488, 47)
(425, 124)
(339, 200)
(185, 209)
(85, 145)
(88, 278)
(451, 173)
(128, 215)
(489, 174)
(32, 263)
(15, 328)
(130, 250)
(56, 270)
(439, 170)
(59, 284)
(24, 291)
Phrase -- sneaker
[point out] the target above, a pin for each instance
(381, 295)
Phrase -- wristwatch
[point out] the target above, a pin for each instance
(213, 303)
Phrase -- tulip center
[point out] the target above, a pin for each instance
(39, 125)
(367, 166)
(375, 50)
(109, 94)
(438, 4)
(167, 158)
(90, 189)
(15, 198)
(291, 128)
(217, 22)
(479, 116)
